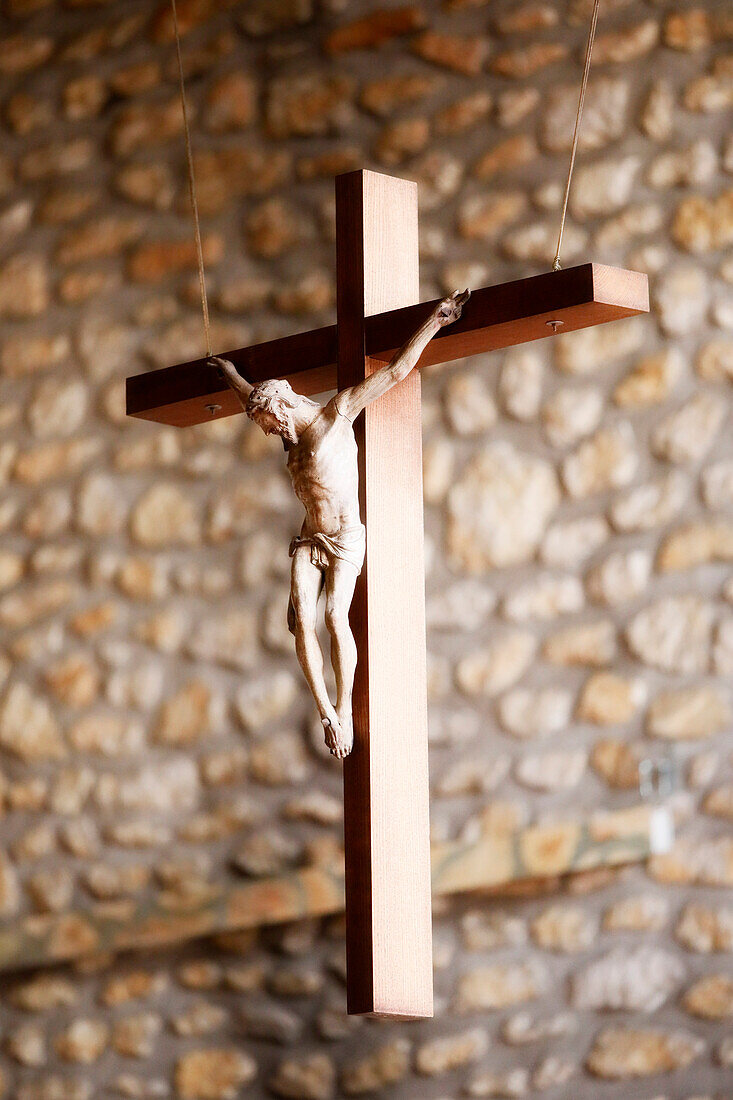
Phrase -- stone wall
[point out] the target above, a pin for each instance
(153, 728)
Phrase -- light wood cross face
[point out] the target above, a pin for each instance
(386, 790)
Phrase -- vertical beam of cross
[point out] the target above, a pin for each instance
(386, 791)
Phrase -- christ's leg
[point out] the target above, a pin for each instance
(340, 582)
(305, 588)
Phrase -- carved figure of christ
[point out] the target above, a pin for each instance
(329, 551)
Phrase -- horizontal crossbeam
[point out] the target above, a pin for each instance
(496, 317)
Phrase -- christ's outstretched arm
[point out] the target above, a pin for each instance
(350, 402)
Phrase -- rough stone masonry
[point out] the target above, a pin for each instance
(152, 730)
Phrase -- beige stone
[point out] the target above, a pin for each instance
(26, 1044)
(74, 680)
(603, 186)
(12, 567)
(619, 1053)
(135, 1036)
(637, 980)
(512, 1083)
(10, 892)
(223, 175)
(708, 862)
(527, 713)
(696, 544)
(622, 576)
(498, 509)
(588, 350)
(688, 30)
(592, 644)
(704, 225)
(458, 53)
(617, 763)
(464, 114)
(673, 634)
(213, 1074)
(492, 670)
(188, 716)
(482, 217)
(551, 771)
(565, 928)
(24, 286)
(385, 1066)
(265, 699)
(28, 728)
(651, 381)
(512, 152)
(609, 699)
(486, 988)
(44, 991)
(717, 485)
(705, 928)
(535, 242)
(719, 802)
(469, 406)
(682, 298)
(84, 1041)
(520, 383)
(650, 505)
(54, 460)
(278, 759)
(164, 515)
(523, 63)
(133, 985)
(627, 44)
(569, 543)
(639, 913)
(308, 104)
(688, 713)
(604, 114)
(448, 1052)
(571, 413)
(308, 1078)
(228, 638)
(545, 598)
(608, 460)
(658, 111)
(711, 998)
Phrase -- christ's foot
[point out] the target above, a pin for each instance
(338, 739)
(450, 308)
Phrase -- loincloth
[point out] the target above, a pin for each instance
(348, 545)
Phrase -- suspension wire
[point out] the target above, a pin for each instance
(579, 114)
(192, 187)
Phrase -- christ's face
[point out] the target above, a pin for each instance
(269, 419)
(275, 417)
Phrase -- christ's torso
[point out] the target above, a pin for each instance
(323, 468)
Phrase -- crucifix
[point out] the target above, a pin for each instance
(386, 792)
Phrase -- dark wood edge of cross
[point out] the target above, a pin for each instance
(495, 317)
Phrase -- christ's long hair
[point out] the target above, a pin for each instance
(276, 396)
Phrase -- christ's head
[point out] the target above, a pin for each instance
(273, 405)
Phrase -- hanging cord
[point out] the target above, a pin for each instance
(579, 114)
(192, 188)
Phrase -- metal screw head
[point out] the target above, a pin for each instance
(555, 325)
(212, 410)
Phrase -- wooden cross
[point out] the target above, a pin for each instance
(386, 792)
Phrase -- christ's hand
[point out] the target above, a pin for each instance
(450, 308)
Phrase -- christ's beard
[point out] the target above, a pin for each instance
(288, 430)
